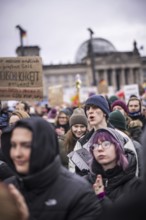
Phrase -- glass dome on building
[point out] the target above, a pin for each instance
(100, 46)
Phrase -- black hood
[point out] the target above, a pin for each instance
(44, 143)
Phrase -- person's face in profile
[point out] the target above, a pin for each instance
(20, 151)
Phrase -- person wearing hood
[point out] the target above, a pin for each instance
(132, 206)
(112, 168)
(5, 170)
(51, 192)
(117, 119)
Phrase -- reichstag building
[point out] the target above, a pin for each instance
(96, 59)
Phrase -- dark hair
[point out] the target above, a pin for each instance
(105, 135)
(69, 141)
(26, 106)
(134, 98)
(21, 124)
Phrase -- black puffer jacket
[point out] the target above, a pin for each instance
(5, 171)
(50, 190)
(132, 206)
(116, 181)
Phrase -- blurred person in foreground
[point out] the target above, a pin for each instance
(12, 204)
(5, 170)
(50, 190)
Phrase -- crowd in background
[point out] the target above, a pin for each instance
(111, 132)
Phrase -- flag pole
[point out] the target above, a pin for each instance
(78, 86)
(22, 33)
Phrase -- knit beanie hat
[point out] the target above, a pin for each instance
(66, 111)
(52, 113)
(100, 102)
(78, 117)
(112, 99)
(120, 103)
(117, 119)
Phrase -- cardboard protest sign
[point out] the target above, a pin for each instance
(80, 158)
(129, 90)
(21, 78)
(55, 95)
(102, 87)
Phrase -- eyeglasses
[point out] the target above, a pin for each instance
(104, 145)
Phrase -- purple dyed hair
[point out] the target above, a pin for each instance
(106, 136)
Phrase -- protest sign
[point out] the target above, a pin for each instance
(129, 90)
(55, 95)
(81, 158)
(21, 78)
(103, 87)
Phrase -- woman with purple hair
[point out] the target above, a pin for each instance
(112, 167)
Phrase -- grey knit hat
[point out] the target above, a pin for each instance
(78, 117)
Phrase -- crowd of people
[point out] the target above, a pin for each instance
(39, 178)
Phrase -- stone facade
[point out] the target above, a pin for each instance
(116, 68)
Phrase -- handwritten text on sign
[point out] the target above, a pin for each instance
(21, 76)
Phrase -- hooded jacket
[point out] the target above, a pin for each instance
(50, 190)
(132, 206)
(117, 182)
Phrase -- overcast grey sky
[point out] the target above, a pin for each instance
(59, 27)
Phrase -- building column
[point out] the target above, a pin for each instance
(141, 78)
(105, 76)
(122, 83)
(114, 79)
(131, 76)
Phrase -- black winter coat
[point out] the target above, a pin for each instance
(5, 171)
(50, 190)
(117, 182)
(132, 206)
